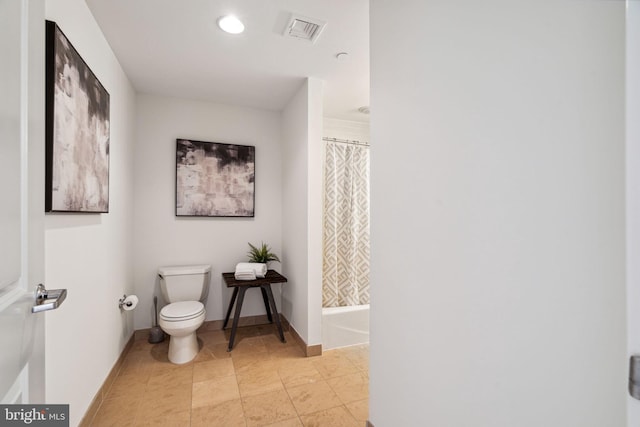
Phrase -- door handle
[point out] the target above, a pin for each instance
(634, 376)
(48, 299)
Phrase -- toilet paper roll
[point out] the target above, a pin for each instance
(130, 302)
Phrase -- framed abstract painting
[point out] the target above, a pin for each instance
(215, 179)
(76, 131)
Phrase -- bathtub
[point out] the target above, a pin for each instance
(345, 326)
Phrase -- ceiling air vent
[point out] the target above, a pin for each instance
(303, 28)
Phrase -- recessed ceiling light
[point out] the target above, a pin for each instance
(342, 56)
(230, 24)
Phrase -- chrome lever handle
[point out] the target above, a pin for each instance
(48, 299)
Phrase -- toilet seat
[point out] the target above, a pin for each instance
(180, 311)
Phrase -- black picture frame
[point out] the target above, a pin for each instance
(214, 179)
(77, 130)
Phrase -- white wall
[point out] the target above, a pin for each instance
(35, 178)
(345, 129)
(498, 273)
(302, 213)
(91, 254)
(633, 192)
(161, 238)
(314, 213)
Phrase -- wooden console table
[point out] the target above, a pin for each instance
(240, 287)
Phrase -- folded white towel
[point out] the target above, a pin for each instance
(259, 269)
(245, 274)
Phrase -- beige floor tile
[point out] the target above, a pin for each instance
(103, 421)
(141, 354)
(362, 364)
(287, 352)
(248, 345)
(242, 332)
(259, 380)
(359, 409)
(268, 408)
(246, 362)
(293, 422)
(262, 382)
(227, 414)
(140, 345)
(218, 351)
(359, 356)
(256, 362)
(165, 401)
(215, 391)
(337, 354)
(121, 411)
(314, 397)
(173, 374)
(160, 367)
(273, 343)
(353, 349)
(334, 417)
(332, 366)
(160, 352)
(204, 355)
(350, 388)
(212, 337)
(136, 366)
(132, 386)
(215, 368)
(298, 372)
(178, 419)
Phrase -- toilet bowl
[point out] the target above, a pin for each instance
(180, 320)
(185, 288)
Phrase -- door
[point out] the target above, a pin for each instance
(22, 198)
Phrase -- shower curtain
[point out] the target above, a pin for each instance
(345, 269)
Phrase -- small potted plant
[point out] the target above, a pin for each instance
(262, 254)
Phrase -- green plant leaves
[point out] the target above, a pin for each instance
(261, 254)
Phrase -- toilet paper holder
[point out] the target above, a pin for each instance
(122, 302)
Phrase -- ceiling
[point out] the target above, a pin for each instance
(175, 48)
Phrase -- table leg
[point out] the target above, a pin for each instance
(266, 304)
(274, 309)
(236, 317)
(233, 299)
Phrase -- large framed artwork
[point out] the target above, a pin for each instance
(215, 179)
(76, 131)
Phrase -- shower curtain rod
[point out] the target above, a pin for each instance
(346, 141)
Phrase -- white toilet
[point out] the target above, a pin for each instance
(185, 288)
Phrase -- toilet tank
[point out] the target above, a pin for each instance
(185, 283)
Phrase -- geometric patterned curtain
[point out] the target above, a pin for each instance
(345, 269)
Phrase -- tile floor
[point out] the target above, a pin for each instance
(262, 382)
